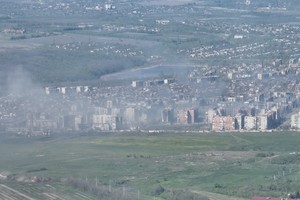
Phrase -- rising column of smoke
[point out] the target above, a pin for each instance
(19, 83)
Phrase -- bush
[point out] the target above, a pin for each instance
(286, 159)
(158, 190)
(101, 192)
(217, 185)
(264, 155)
(187, 195)
(272, 187)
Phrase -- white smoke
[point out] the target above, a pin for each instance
(19, 83)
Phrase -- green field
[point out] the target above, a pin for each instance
(147, 166)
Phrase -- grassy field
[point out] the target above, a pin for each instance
(236, 165)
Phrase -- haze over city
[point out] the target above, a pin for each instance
(136, 99)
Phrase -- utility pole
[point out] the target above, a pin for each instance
(109, 186)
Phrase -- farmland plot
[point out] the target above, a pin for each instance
(12, 194)
(35, 192)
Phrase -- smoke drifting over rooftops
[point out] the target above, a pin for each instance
(19, 83)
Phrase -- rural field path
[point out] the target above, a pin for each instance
(214, 196)
(241, 140)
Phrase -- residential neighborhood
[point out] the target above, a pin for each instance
(231, 99)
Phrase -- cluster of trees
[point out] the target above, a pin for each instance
(286, 159)
(295, 195)
(99, 191)
(159, 190)
(106, 192)
(186, 194)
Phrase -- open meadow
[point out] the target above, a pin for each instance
(136, 166)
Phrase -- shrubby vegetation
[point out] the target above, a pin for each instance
(177, 194)
(286, 159)
(186, 194)
(158, 165)
(101, 192)
(264, 154)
